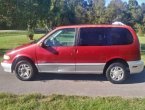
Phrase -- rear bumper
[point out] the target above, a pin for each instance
(6, 67)
(136, 66)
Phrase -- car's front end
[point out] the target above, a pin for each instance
(11, 56)
(6, 63)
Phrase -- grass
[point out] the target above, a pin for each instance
(2, 34)
(59, 102)
(142, 41)
(11, 41)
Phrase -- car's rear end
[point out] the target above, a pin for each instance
(124, 56)
(136, 65)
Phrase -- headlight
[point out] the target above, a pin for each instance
(6, 57)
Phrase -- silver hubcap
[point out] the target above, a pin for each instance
(24, 71)
(117, 73)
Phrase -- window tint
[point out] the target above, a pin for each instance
(63, 37)
(92, 37)
(104, 36)
(119, 36)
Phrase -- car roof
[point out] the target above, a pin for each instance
(91, 25)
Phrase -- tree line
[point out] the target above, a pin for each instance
(30, 14)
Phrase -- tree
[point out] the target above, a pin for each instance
(135, 11)
(29, 14)
(117, 10)
(7, 9)
(98, 11)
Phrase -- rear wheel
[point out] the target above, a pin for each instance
(25, 70)
(117, 73)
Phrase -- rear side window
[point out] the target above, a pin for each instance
(119, 36)
(92, 37)
(104, 36)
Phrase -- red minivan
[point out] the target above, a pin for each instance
(113, 50)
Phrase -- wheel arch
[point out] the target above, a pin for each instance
(114, 61)
(21, 58)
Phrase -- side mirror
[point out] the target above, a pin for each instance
(47, 44)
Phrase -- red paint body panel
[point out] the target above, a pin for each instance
(91, 54)
(27, 50)
(55, 55)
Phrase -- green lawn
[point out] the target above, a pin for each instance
(142, 41)
(58, 102)
(9, 42)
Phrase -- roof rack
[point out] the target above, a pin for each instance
(117, 23)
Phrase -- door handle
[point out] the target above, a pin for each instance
(76, 51)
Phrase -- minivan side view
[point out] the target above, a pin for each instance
(112, 50)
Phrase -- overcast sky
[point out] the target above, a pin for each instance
(139, 1)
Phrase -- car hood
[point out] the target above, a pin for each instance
(22, 46)
(19, 48)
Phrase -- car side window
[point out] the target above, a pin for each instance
(62, 37)
(119, 36)
(92, 37)
(104, 36)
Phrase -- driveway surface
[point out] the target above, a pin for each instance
(80, 85)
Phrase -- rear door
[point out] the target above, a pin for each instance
(91, 50)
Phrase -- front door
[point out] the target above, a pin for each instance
(57, 53)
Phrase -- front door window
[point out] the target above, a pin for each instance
(63, 37)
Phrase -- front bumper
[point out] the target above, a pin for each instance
(136, 66)
(6, 67)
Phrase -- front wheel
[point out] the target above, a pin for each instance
(25, 70)
(117, 73)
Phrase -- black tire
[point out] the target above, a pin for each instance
(25, 70)
(117, 73)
